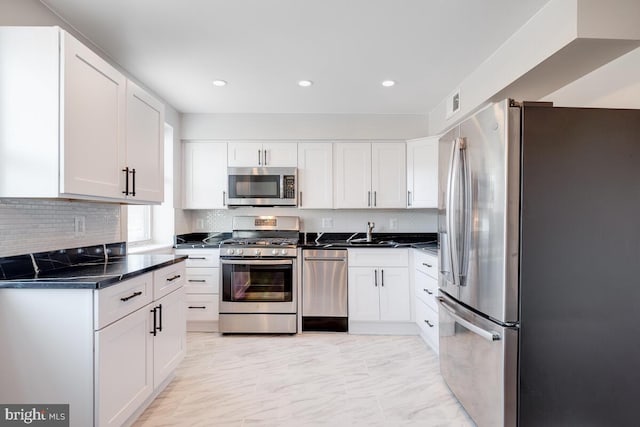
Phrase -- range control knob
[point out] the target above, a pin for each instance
(274, 252)
(239, 252)
(257, 252)
(283, 251)
(230, 251)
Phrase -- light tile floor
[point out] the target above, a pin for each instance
(306, 380)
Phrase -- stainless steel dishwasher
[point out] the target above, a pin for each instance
(324, 290)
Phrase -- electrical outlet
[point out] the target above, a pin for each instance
(393, 223)
(79, 225)
(327, 222)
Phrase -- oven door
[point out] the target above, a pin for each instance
(258, 286)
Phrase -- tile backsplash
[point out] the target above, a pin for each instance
(34, 225)
(387, 220)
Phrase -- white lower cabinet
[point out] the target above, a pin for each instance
(124, 368)
(202, 288)
(137, 353)
(379, 291)
(169, 341)
(425, 279)
(107, 353)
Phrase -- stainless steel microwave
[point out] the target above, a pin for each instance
(268, 186)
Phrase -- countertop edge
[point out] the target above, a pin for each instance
(62, 283)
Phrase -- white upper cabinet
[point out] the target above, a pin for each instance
(73, 126)
(204, 174)
(388, 175)
(92, 141)
(422, 172)
(369, 175)
(352, 168)
(262, 154)
(315, 175)
(144, 142)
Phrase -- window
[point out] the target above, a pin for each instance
(139, 224)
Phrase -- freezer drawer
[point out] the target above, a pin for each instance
(478, 360)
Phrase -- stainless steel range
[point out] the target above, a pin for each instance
(258, 276)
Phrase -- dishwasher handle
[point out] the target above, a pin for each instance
(313, 258)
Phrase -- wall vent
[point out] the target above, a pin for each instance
(453, 103)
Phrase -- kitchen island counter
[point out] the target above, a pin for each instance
(93, 267)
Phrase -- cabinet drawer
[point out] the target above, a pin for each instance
(202, 281)
(427, 320)
(426, 263)
(378, 257)
(426, 288)
(117, 301)
(202, 307)
(201, 257)
(168, 279)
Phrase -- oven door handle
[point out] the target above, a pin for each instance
(257, 261)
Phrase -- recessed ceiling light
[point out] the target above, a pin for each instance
(388, 83)
(305, 83)
(219, 83)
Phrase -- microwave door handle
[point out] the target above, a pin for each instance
(483, 333)
(281, 186)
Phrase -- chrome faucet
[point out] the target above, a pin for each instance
(370, 227)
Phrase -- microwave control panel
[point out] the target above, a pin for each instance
(289, 187)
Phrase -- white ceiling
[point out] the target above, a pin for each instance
(263, 47)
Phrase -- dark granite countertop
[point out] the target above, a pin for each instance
(430, 247)
(379, 240)
(93, 267)
(200, 240)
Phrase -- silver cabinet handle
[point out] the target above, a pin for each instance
(259, 158)
(375, 277)
(369, 198)
(408, 198)
(487, 335)
(382, 277)
(265, 157)
(224, 198)
(375, 198)
(427, 265)
(197, 281)
(195, 257)
(429, 323)
(428, 291)
(300, 201)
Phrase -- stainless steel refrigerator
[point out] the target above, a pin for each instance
(539, 226)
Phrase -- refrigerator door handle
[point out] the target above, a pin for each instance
(487, 335)
(450, 216)
(466, 211)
